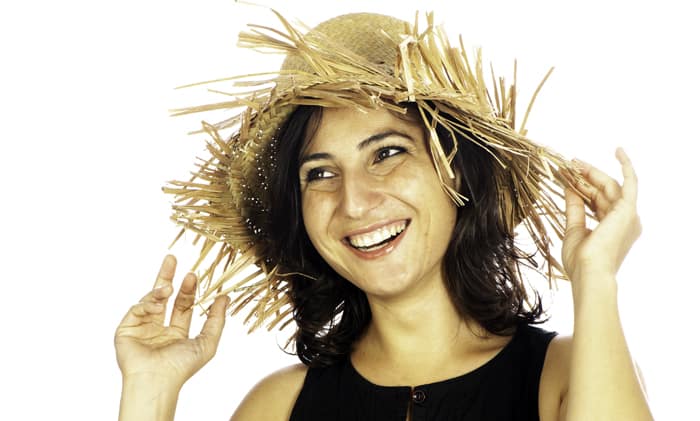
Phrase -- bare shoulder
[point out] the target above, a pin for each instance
(273, 398)
(554, 381)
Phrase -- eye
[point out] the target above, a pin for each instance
(388, 152)
(316, 174)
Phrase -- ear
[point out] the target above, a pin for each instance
(452, 187)
(454, 182)
(457, 181)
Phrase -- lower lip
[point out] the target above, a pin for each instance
(383, 251)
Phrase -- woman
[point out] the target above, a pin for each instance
(377, 188)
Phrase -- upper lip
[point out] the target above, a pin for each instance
(374, 227)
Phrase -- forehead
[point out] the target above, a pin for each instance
(339, 127)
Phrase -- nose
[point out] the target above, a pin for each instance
(359, 195)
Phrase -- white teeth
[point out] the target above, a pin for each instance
(386, 233)
(377, 236)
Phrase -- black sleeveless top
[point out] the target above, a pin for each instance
(504, 388)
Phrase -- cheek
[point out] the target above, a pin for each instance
(428, 195)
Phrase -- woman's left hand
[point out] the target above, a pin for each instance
(599, 252)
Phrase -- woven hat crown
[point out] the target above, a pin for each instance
(373, 37)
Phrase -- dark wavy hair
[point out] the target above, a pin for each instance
(481, 264)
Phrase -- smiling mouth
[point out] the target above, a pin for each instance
(377, 239)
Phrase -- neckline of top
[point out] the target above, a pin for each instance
(461, 377)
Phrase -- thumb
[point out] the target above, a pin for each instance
(210, 335)
(575, 230)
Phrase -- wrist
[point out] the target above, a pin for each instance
(155, 381)
(594, 287)
(146, 397)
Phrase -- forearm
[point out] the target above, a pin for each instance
(142, 402)
(604, 384)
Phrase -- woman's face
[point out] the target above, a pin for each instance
(372, 202)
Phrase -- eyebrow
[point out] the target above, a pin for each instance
(362, 145)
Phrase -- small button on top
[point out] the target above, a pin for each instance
(418, 396)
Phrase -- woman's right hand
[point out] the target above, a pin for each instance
(164, 356)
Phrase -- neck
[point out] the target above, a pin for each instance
(421, 326)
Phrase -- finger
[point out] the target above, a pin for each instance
(166, 272)
(597, 201)
(141, 313)
(164, 284)
(159, 296)
(629, 184)
(150, 304)
(605, 185)
(181, 316)
(214, 325)
(575, 211)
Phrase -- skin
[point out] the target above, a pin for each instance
(348, 184)
(156, 360)
(359, 185)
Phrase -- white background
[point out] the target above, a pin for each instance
(86, 144)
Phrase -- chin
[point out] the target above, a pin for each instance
(382, 286)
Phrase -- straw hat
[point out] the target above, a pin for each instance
(357, 60)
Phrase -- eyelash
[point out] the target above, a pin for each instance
(397, 150)
(313, 174)
(382, 154)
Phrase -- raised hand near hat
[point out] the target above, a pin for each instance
(603, 380)
(599, 252)
(157, 359)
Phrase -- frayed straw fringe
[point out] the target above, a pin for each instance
(429, 71)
